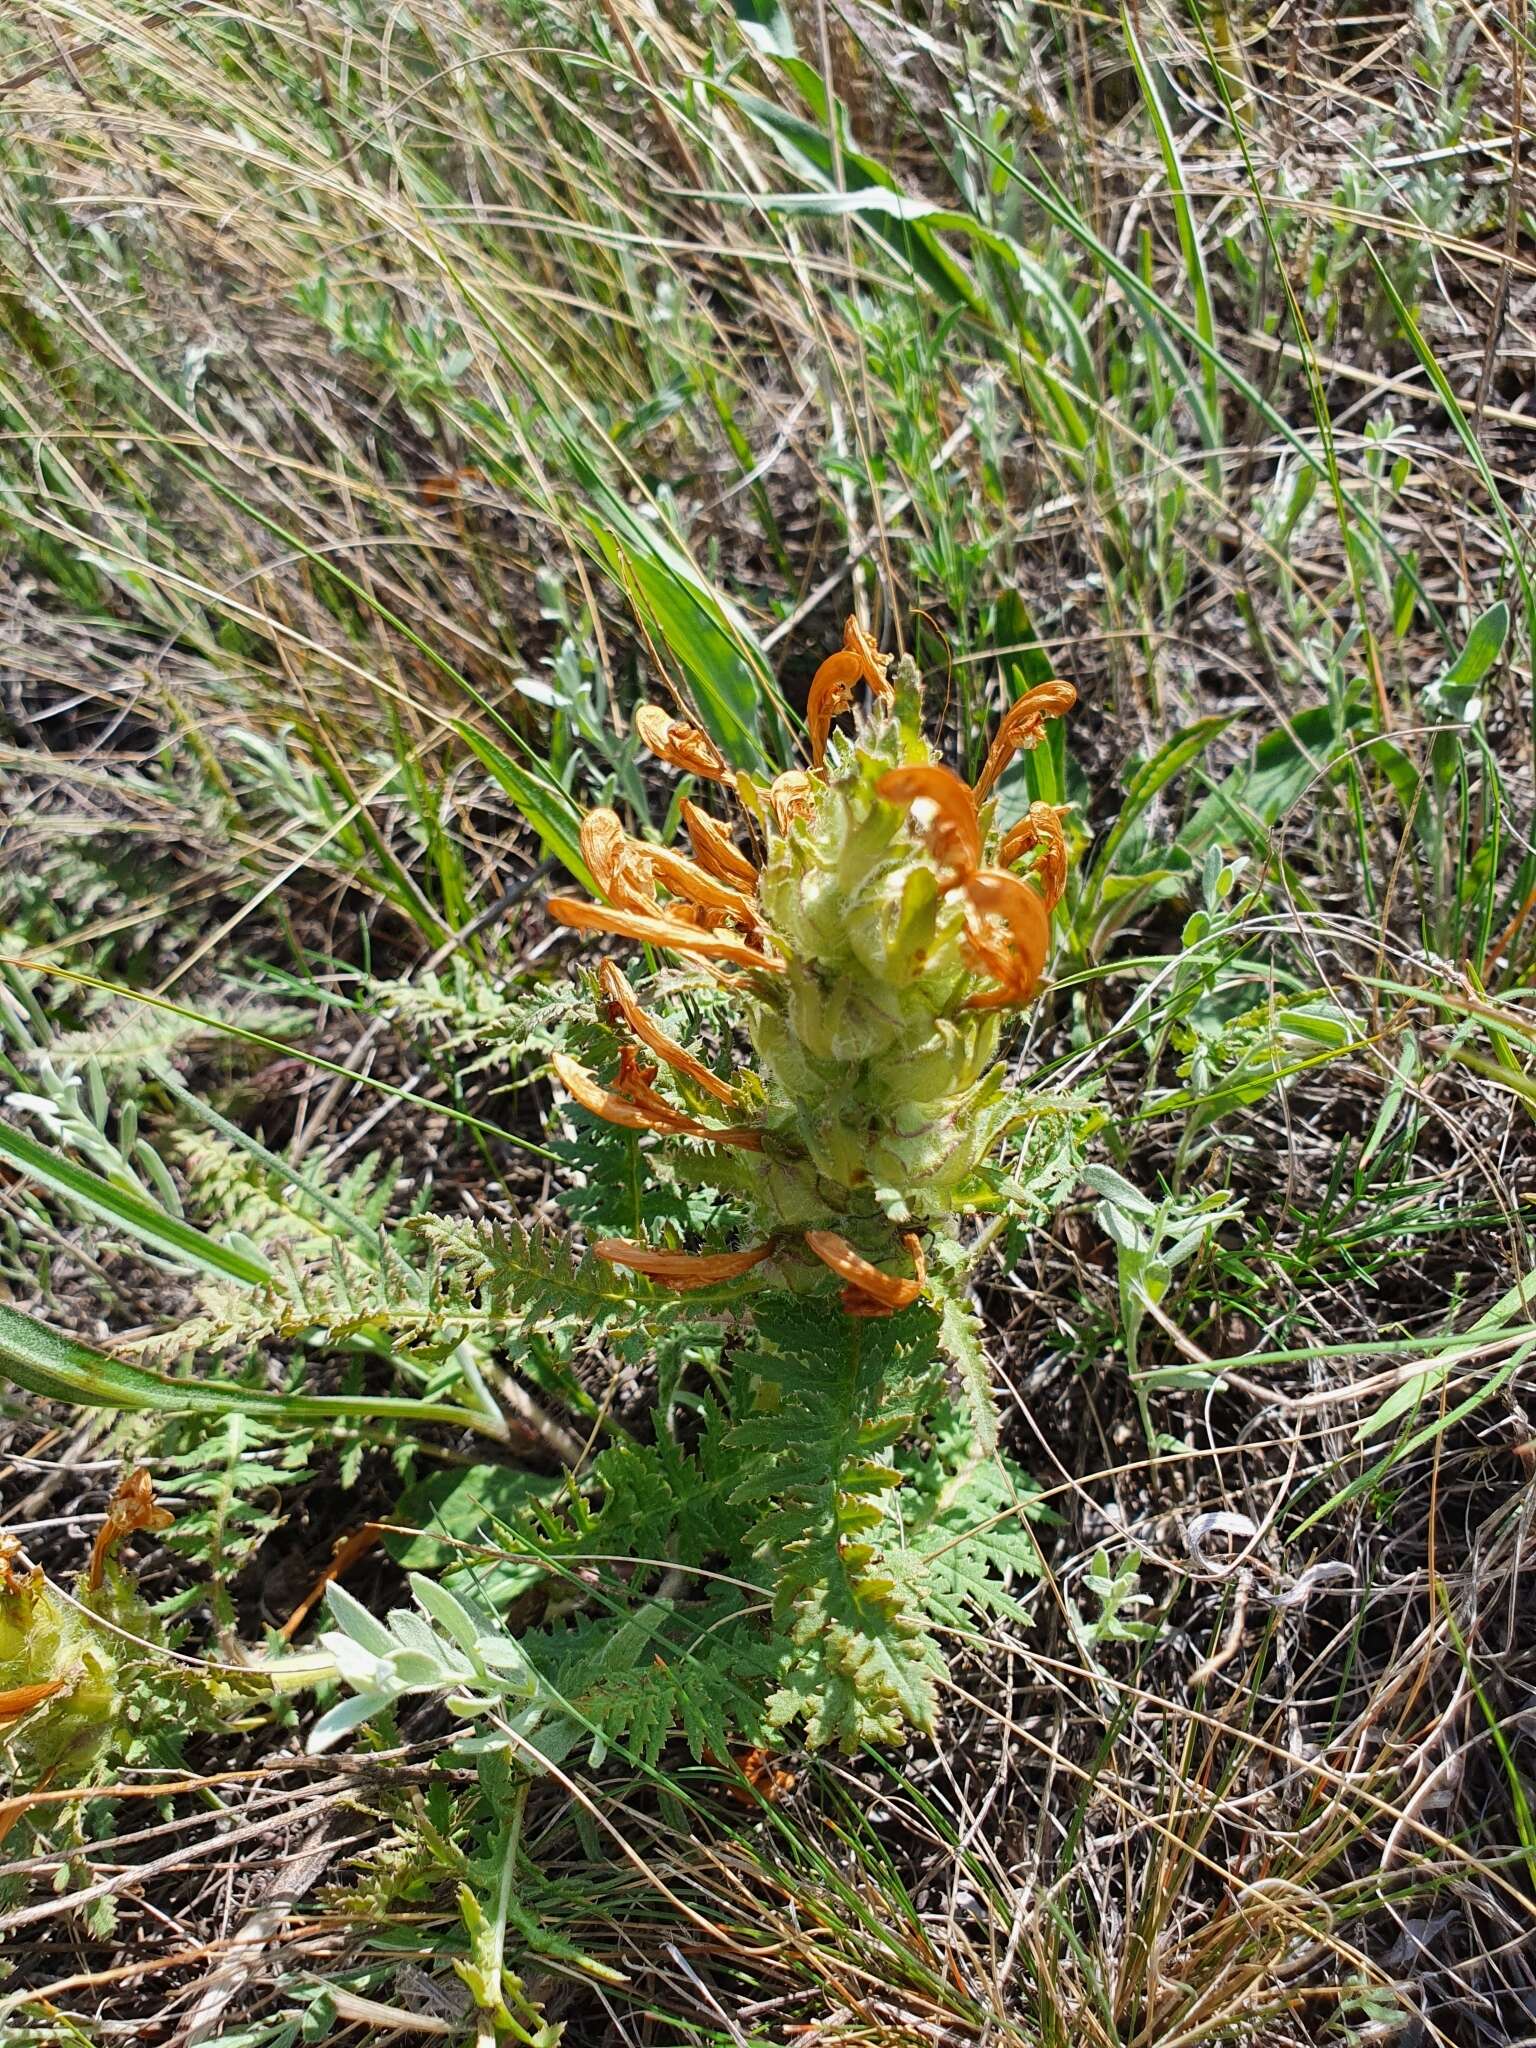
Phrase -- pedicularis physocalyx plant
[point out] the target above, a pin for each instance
(874, 930)
(811, 1503)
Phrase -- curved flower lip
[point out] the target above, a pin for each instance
(715, 850)
(858, 659)
(649, 1114)
(954, 834)
(657, 929)
(1023, 725)
(1015, 962)
(790, 796)
(868, 1291)
(831, 694)
(131, 1508)
(650, 1033)
(1039, 831)
(681, 1271)
(680, 744)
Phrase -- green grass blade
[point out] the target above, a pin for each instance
(44, 1362)
(1518, 551)
(1188, 230)
(130, 1211)
(539, 799)
(1158, 315)
(1153, 775)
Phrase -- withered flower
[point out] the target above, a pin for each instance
(618, 864)
(696, 885)
(790, 796)
(649, 1032)
(131, 1508)
(638, 1108)
(715, 850)
(1039, 831)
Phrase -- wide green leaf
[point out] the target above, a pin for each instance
(1485, 643)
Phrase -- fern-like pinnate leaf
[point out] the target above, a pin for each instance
(960, 1342)
(633, 1683)
(824, 1394)
(510, 1278)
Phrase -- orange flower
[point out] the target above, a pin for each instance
(1023, 725)
(681, 745)
(132, 1507)
(790, 796)
(633, 1082)
(659, 929)
(22, 1699)
(627, 871)
(868, 1291)
(619, 865)
(1039, 831)
(1013, 959)
(858, 659)
(714, 849)
(681, 1271)
(636, 1106)
(649, 1032)
(952, 835)
(16, 1575)
(686, 878)
(873, 665)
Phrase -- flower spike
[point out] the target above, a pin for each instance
(866, 936)
(681, 1271)
(1023, 725)
(868, 1291)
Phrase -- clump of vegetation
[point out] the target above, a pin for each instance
(850, 1357)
